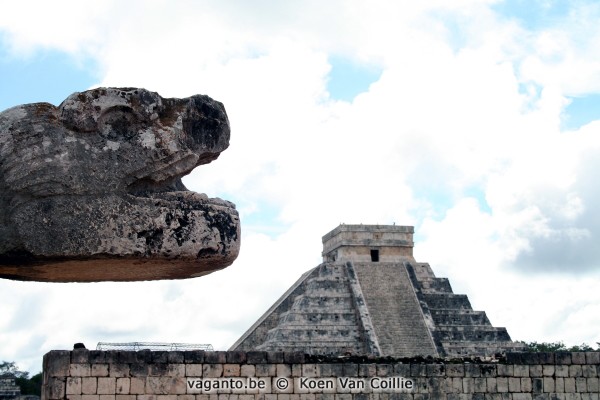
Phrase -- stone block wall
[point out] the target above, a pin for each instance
(196, 375)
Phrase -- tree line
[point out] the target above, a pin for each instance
(551, 347)
(28, 385)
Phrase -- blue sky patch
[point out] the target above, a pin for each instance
(441, 199)
(264, 220)
(47, 76)
(534, 14)
(347, 79)
(434, 200)
(581, 111)
(478, 193)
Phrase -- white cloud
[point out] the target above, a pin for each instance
(66, 25)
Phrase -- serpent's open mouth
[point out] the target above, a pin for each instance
(166, 182)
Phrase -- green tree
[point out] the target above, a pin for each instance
(28, 385)
(31, 385)
(535, 347)
(582, 347)
(7, 367)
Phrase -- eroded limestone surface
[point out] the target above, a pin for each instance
(370, 297)
(91, 190)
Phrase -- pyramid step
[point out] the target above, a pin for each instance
(326, 284)
(331, 270)
(447, 301)
(320, 317)
(467, 348)
(339, 291)
(315, 303)
(435, 285)
(335, 347)
(422, 270)
(473, 333)
(304, 334)
(459, 317)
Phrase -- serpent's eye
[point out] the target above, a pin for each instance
(118, 123)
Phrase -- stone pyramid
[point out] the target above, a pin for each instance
(370, 297)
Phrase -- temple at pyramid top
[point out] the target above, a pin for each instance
(364, 243)
(370, 297)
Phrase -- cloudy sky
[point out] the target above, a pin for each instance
(476, 121)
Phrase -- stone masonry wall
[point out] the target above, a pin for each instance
(193, 375)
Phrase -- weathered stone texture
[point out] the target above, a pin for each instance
(395, 311)
(432, 378)
(91, 190)
(371, 297)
